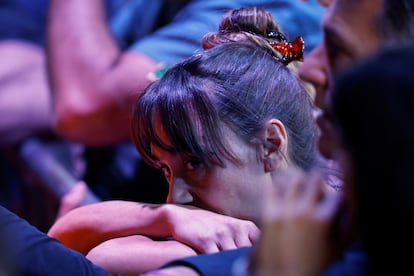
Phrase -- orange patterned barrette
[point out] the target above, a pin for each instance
(290, 50)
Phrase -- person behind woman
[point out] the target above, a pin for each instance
(220, 125)
(371, 111)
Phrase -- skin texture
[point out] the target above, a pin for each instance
(158, 221)
(146, 249)
(349, 35)
(93, 85)
(224, 189)
(189, 231)
(25, 104)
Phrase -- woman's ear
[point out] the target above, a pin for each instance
(275, 145)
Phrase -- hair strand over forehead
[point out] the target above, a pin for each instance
(234, 85)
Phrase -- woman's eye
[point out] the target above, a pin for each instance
(192, 163)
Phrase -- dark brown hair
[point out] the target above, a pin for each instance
(235, 85)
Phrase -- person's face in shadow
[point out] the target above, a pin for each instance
(231, 188)
(234, 189)
(350, 35)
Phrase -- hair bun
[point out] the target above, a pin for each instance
(243, 25)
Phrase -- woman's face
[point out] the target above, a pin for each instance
(233, 190)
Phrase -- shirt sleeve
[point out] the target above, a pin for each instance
(32, 252)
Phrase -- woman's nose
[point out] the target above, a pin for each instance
(178, 193)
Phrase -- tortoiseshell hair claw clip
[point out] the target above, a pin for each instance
(290, 50)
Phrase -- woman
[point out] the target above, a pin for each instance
(221, 121)
(220, 125)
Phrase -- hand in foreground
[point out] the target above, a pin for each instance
(208, 232)
(297, 226)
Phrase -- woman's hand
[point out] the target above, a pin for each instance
(208, 232)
